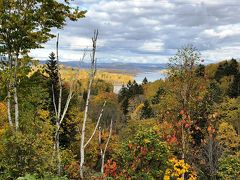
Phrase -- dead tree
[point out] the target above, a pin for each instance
(58, 111)
(91, 79)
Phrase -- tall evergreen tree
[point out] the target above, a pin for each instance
(159, 93)
(147, 111)
(234, 89)
(123, 99)
(52, 69)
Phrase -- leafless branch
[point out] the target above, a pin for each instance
(106, 145)
(99, 118)
(54, 101)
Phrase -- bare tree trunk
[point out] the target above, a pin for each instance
(92, 75)
(59, 115)
(57, 135)
(185, 102)
(105, 149)
(100, 143)
(210, 155)
(9, 93)
(83, 129)
(58, 151)
(9, 105)
(16, 105)
(54, 101)
(183, 148)
(95, 129)
(60, 83)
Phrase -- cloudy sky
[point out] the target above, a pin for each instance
(150, 31)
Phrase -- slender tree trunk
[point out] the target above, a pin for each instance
(211, 159)
(92, 75)
(58, 151)
(9, 104)
(102, 163)
(83, 129)
(98, 121)
(105, 149)
(184, 97)
(16, 105)
(58, 113)
(16, 108)
(100, 144)
(183, 149)
(9, 93)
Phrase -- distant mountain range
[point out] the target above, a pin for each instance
(134, 67)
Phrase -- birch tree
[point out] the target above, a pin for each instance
(25, 25)
(59, 114)
(91, 79)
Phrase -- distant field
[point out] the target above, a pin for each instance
(112, 77)
(115, 77)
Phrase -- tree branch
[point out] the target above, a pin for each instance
(70, 95)
(106, 145)
(99, 118)
(54, 101)
(110, 134)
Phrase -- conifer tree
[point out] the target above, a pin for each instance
(52, 69)
(145, 81)
(156, 98)
(147, 111)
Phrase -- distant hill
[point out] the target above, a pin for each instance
(130, 67)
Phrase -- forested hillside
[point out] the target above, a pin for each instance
(185, 125)
(63, 123)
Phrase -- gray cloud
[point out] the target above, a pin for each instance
(152, 30)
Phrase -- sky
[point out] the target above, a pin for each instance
(150, 31)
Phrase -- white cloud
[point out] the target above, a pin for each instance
(223, 31)
(152, 46)
(152, 30)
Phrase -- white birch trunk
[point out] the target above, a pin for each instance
(98, 121)
(9, 105)
(58, 151)
(9, 93)
(16, 105)
(59, 115)
(83, 129)
(105, 149)
(92, 75)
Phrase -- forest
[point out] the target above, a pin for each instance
(62, 123)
